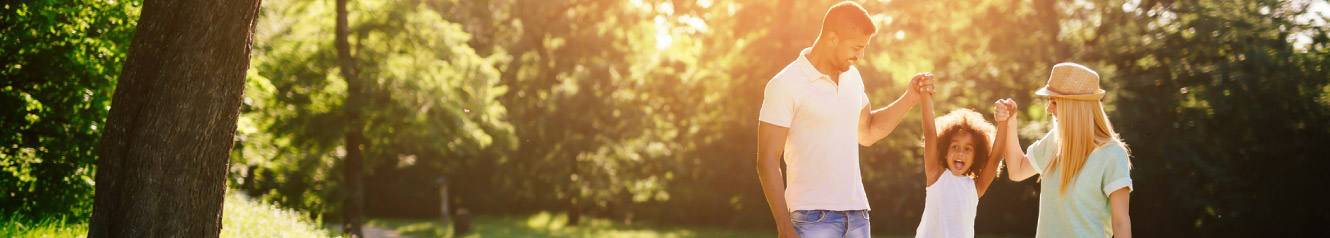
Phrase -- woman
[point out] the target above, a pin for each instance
(1086, 185)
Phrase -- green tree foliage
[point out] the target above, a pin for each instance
(593, 104)
(58, 62)
(1225, 106)
(430, 98)
(601, 103)
(646, 109)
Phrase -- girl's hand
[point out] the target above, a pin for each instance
(921, 86)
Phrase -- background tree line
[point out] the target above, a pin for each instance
(646, 110)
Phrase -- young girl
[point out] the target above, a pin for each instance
(960, 171)
(1086, 184)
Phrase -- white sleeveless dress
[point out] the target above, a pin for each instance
(949, 207)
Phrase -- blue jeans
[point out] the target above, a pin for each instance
(823, 223)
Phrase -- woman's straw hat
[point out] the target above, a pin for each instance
(1072, 81)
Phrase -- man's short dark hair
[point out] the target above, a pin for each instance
(845, 16)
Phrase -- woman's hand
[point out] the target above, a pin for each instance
(1011, 110)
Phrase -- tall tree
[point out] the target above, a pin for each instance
(165, 151)
(353, 167)
(430, 107)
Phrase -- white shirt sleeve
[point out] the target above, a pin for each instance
(777, 104)
(864, 101)
(1117, 174)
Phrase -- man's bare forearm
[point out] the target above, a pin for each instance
(884, 120)
(774, 189)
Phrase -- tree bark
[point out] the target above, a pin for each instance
(165, 150)
(353, 167)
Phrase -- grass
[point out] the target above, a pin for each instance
(547, 224)
(55, 227)
(241, 217)
(245, 217)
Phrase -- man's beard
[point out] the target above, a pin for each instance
(843, 67)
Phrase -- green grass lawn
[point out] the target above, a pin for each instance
(245, 217)
(546, 224)
(554, 225)
(241, 217)
(54, 227)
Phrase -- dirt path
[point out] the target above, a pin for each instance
(381, 232)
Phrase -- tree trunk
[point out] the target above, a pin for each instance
(574, 208)
(164, 153)
(352, 168)
(1047, 13)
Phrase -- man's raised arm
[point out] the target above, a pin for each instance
(877, 124)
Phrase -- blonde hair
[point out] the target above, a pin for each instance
(1082, 126)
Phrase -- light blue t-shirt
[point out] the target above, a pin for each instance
(1084, 210)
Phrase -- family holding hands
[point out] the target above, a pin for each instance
(815, 114)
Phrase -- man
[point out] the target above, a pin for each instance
(814, 112)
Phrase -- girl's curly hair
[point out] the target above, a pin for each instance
(969, 121)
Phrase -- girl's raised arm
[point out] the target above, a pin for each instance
(1001, 113)
(931, 167)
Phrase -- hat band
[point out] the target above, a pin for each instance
(1081, 97)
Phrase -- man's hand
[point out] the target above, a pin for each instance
(920, 85)
(1003, 109)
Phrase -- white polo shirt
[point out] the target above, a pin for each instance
(822, 152)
